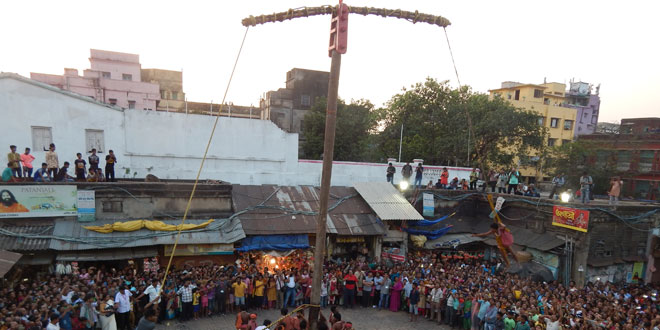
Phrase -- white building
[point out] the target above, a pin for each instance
(168, 145)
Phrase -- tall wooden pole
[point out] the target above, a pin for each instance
(328, 155)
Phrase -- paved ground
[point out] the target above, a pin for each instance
(361, 318)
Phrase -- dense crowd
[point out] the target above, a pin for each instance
(465, 293)
(20, 168)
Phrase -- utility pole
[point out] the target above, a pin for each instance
(338, 45)
(338, 40)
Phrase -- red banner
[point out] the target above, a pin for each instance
(570, 218)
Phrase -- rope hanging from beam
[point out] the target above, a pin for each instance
(414, 17)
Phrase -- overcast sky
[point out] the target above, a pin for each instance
(612, 43)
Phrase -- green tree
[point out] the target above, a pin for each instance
(572, 159)
(355, 121)
(435, 127)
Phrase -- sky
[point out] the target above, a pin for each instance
(611, 43)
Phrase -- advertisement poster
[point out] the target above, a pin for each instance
(393, 253)
(86, 206)
(570, 218)
(38, 201)
(428, 204)
(638, 272)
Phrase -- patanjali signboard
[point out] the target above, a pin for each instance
(38, 201)
(570, 218)
(428, 203)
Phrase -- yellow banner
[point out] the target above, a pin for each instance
(155, 225)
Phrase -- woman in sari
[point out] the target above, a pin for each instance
(107, 315)
(396, 293)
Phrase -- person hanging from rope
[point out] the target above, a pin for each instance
(504, 240)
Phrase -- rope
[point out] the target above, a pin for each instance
(301, 307)
(201, 165)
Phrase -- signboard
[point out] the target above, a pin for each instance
(38, 201)
(86, 206)
(199, 249)
(393, 253)
(570, 218)
(429, 205)
(499, 203)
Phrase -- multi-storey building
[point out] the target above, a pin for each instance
(580, 97)
(114, 78)
(549, 101)
(633, 154)
(172, 97)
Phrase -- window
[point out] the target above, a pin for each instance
(517, 97)
(112, 207)
(126, 76)
(568, 125)
(113, 101)
(565, 142)
(538, 93)
(131, 104)
(508, 96)
(541, 121)
(594, 120)
(305, 100)
(94, 140)
(554, 122)
(41, 138)
(302, 125)
(546, 101)
(175, 95)
(163, 94)
(552, 142)
(105, 75)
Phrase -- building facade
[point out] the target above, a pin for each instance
(580, 97)
(172, 97)
(633, 154)
(287, 107)
(114, 78)
(549, 101)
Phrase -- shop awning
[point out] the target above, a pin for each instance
(274, 242)
(71, 236)
(109, 254)
(7, 261)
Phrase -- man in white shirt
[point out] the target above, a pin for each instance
(264, 327)
(54, 322)
(123, 308)
(152, 290)
(436, 299)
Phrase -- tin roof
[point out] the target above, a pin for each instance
(7, 261)
(25, 234)
(294, 209)
(386, 201)
(74, 237)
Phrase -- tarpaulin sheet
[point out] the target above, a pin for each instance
(149, 224)
(274, 242)
(424, 223)
(430, 234)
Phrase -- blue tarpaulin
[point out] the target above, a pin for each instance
(424, 223)
(430, 234)
(274, 242)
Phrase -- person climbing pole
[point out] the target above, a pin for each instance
(504, 240)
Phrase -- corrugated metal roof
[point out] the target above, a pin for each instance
(351, 217)
(220, 231)
(25, 234)
(7, 261)
(386, 201)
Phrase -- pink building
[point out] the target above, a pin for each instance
(114, 78)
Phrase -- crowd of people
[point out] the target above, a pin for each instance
(20, 168)
(463, 291)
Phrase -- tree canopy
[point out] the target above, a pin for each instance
(355, 122)
(435, 127)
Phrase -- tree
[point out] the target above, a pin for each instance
(572, 159)
(435, 127)
(354, 123)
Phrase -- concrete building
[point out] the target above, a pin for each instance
(580, 97)
(549, 101)
(287, 107)
(114, 78)
(172, 97)
(634, 154)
